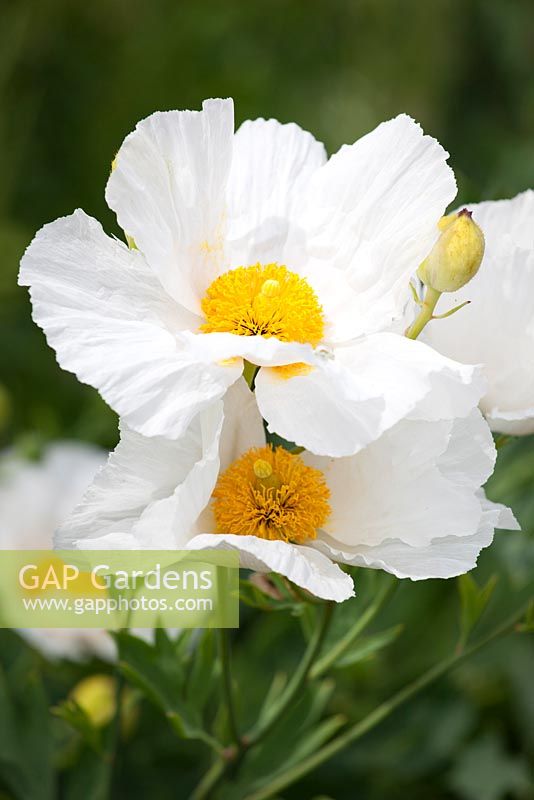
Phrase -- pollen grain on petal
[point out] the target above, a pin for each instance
(272, 494)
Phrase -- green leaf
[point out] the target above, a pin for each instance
(160, 672)
(276, 688)
(26, 756)
(298, 734)
(473, 600)
(204, 666)
(528, 625)
(367, 646)
(310, 742)
(89, 778)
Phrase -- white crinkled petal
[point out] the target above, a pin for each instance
(344, 309)
(372, 210)
(168, 190)
(411, 503)
(497, 515)
(470, 456)
(243, 425)
(327, 410)
(153, 490)
(349, 400)
(305, 566)
(512, 423)
(513, 218)
(221, 347)
(271, 165)
(111, 323)
(418, 482)
(496, 330)
(442, 558)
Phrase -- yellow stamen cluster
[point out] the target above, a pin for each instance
(272, 494)
(264, 300)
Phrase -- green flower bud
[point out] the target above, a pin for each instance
(455, 258)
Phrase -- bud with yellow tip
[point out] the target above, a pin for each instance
(455, 258)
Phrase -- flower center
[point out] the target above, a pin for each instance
(272, 494)
(264, 300)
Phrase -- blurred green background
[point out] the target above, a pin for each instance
(75, 77)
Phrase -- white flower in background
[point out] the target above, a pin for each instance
(254, 247)
(35, 498)
(410, 503)
(497, 328)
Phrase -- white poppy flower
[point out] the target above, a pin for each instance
(410, 503)
(497, 328)
(254, 247)
(35, 498)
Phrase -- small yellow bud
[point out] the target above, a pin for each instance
(262, 469)
(455, 258)
(96, 696)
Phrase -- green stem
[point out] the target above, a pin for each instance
(232, 763)
(298, 680)
(425, 315)
(382, 711)
(209, 781)
(334, 653)
(228, 691)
